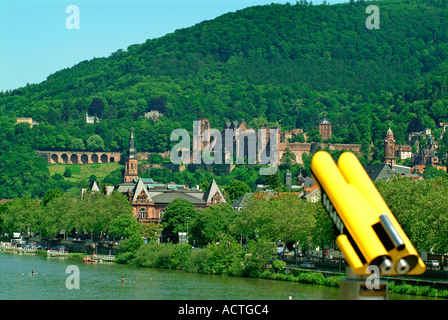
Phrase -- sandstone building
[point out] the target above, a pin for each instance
(149, 199)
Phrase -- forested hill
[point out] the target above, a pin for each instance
(326, 47)
(277, 64)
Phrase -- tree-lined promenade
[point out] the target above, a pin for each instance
(421, 207)
(93, 214)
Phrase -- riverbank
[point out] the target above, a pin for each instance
(51, 253)
(319, 277)
(235, 261)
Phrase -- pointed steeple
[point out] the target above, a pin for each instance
(389, 134)
(131, 163)
(132, 150)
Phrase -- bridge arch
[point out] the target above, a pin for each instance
(54, 158)
(84, 158)
(104, 158)
(94, 158)
(64, 158)
(74, 158)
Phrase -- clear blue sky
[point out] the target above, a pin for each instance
(35, 42)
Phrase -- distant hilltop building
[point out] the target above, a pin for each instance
(153, 114)
(427, 157)
(325, 128)
(91, 119)
(415, 137)
(27, 120)
(421, 157)
(297, 148)
(292, 134)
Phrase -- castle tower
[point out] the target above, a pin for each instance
(205, 135)
(325, 128)
(131, 164)
(389, 148)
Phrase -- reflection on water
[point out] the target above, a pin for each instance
(104, 281)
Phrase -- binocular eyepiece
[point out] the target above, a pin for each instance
(401, 267)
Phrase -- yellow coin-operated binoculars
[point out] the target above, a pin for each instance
(368, 235)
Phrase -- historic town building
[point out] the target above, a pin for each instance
(149, 199)
(325, 128)
(427, 157)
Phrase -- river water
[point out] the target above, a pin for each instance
(72, 279)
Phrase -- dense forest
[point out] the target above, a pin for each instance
(284, 65)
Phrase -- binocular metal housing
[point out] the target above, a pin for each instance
(367, 231)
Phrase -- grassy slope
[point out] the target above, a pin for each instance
(84, 171)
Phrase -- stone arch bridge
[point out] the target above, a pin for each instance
(79, 157)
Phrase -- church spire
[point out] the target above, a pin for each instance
(132, 150)
(131, 163)
(389, 148)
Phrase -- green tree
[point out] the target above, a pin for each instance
(95, 212)
(51, 194)
(152, 231)
(211, 223)
(322, 231)
(95, 143)
(59, 215)
(67, 173)
(96, 107)
(128, 247)
(225, 257)
(279, 265)
(77, 144)
(21, 215)
(288, 158)
(421, 209)
(285, 217)
(236, 189)
(431, 172)
(274, 181)
(260, 254)
(175, 218)
(107, 209)
(124, 225)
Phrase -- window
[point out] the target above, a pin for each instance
(142, 213)
(216, 198)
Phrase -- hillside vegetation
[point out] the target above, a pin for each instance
(286, 65)
(84, 172)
